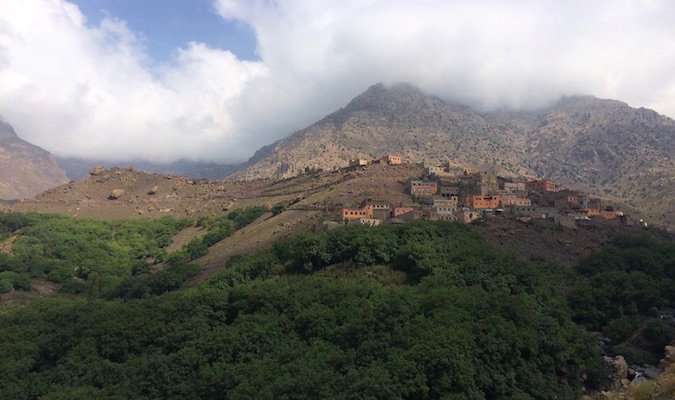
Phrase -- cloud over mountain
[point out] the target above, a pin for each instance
(91, 90)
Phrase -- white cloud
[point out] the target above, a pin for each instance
(91, 91)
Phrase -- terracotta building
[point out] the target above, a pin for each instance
(479, 202)
(543, 185)
(398, 211)
(422, 188)
(510, 200)
(357, 213)
(380, 208)
(391, 159)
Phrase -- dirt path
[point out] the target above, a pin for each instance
(259, 235)
(183, 237)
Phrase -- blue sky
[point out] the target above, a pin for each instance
(167, 25)
(215, 80)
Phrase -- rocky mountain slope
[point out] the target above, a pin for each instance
(398, 120)
(601, 146)
(25, 169)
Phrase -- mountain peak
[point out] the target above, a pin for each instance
(396, 98)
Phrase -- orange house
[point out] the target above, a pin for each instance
(478, 202)
(398, 211)
(357, 213)
(592, 212)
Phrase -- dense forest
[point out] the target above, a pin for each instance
(424, 310)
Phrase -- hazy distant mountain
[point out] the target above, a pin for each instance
(78, 168)
(603, 146)
(25, 169)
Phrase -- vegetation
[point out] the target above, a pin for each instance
(424, 310)
(104, 258)
(82, 254)
(626, 287)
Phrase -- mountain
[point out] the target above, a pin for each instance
(601, 146)
(78, 168)
(386, 120)
(25, 169)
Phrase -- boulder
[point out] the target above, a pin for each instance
(619, 372)
(97, 170)
(116, 194)
(669, 357)
(153, 191)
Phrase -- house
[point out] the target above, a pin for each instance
(470, 171)
(391, 159)
(380, 208)
(435, 170)
(422, 188)
(356, 213)
(510, 187)
(511, 200)
(534, 211)
(412, 215)
(478, 202)
(357, 162)
(434, 216)
(543, 185)
(594, 212)
(398, 211)
(445, 205)
(449, 191)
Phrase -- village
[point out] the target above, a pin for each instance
(450, 192)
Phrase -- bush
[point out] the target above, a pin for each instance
(278, 208)
(6, 285)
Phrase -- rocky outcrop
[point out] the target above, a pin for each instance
(97, 170)
(116, 194)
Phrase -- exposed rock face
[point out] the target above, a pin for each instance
(25, 169)
(601, 146)
(619, 373)
(668, 358)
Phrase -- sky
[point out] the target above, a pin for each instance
(214, 80)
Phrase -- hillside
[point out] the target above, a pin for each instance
(604, 147)
(77, 168)
(25, 169)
